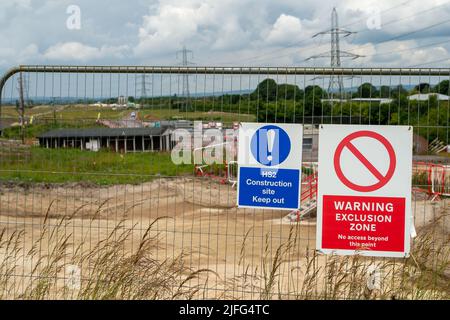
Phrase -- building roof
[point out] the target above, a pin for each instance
(426, 96)
(103, 132)
(333, 100)
(175, 124)
(380, 100)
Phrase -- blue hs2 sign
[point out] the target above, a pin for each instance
(269, 159)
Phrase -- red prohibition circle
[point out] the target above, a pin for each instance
(347, 143)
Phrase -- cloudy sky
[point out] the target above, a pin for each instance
(222, 32)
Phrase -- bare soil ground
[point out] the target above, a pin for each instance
(197, 216)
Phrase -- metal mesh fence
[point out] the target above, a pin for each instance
(90, 212)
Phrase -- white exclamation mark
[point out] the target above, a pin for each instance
(270, 141)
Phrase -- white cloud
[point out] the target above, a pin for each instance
(16, 3)
(231, 32)
(232, 36)
(30, 51)
(286, 30)
(79, 52)
(21, 56)
(207, 25)
(169, 28)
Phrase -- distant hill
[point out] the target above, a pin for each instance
(66, 100)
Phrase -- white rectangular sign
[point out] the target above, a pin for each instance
(364, 190)
(269, 165)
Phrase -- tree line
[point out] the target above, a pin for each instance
(272, 102)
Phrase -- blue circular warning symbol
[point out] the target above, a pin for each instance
(270, 145)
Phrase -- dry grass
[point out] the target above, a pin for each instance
(108, 269)
(423, 275)
(111, 270)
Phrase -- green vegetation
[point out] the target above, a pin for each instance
(269, 90)
(34, 130)
(269, 102)
(102, 168)
(170, 114)
(65, 112)
(272, 102)
(91, 113)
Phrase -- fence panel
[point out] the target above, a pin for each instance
(93, 206)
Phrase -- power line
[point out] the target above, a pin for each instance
(406, 34)
(185, 62)
(144, 84)
(289, 47)
(383, 11)
(396, 51)
(295, 44)
(394, 38)
(335, 53)
(398, 20)
(408, 49)
(430, 62)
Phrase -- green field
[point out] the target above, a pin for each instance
(162, 114)
(102, 168)
(90, 113)
(66, 112)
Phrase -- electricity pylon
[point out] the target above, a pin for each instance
(143, 84)
(185, 62)
(335, 54)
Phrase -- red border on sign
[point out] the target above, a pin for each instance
(382, 179)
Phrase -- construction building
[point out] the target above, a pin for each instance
(426, 96)
(114, 139)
